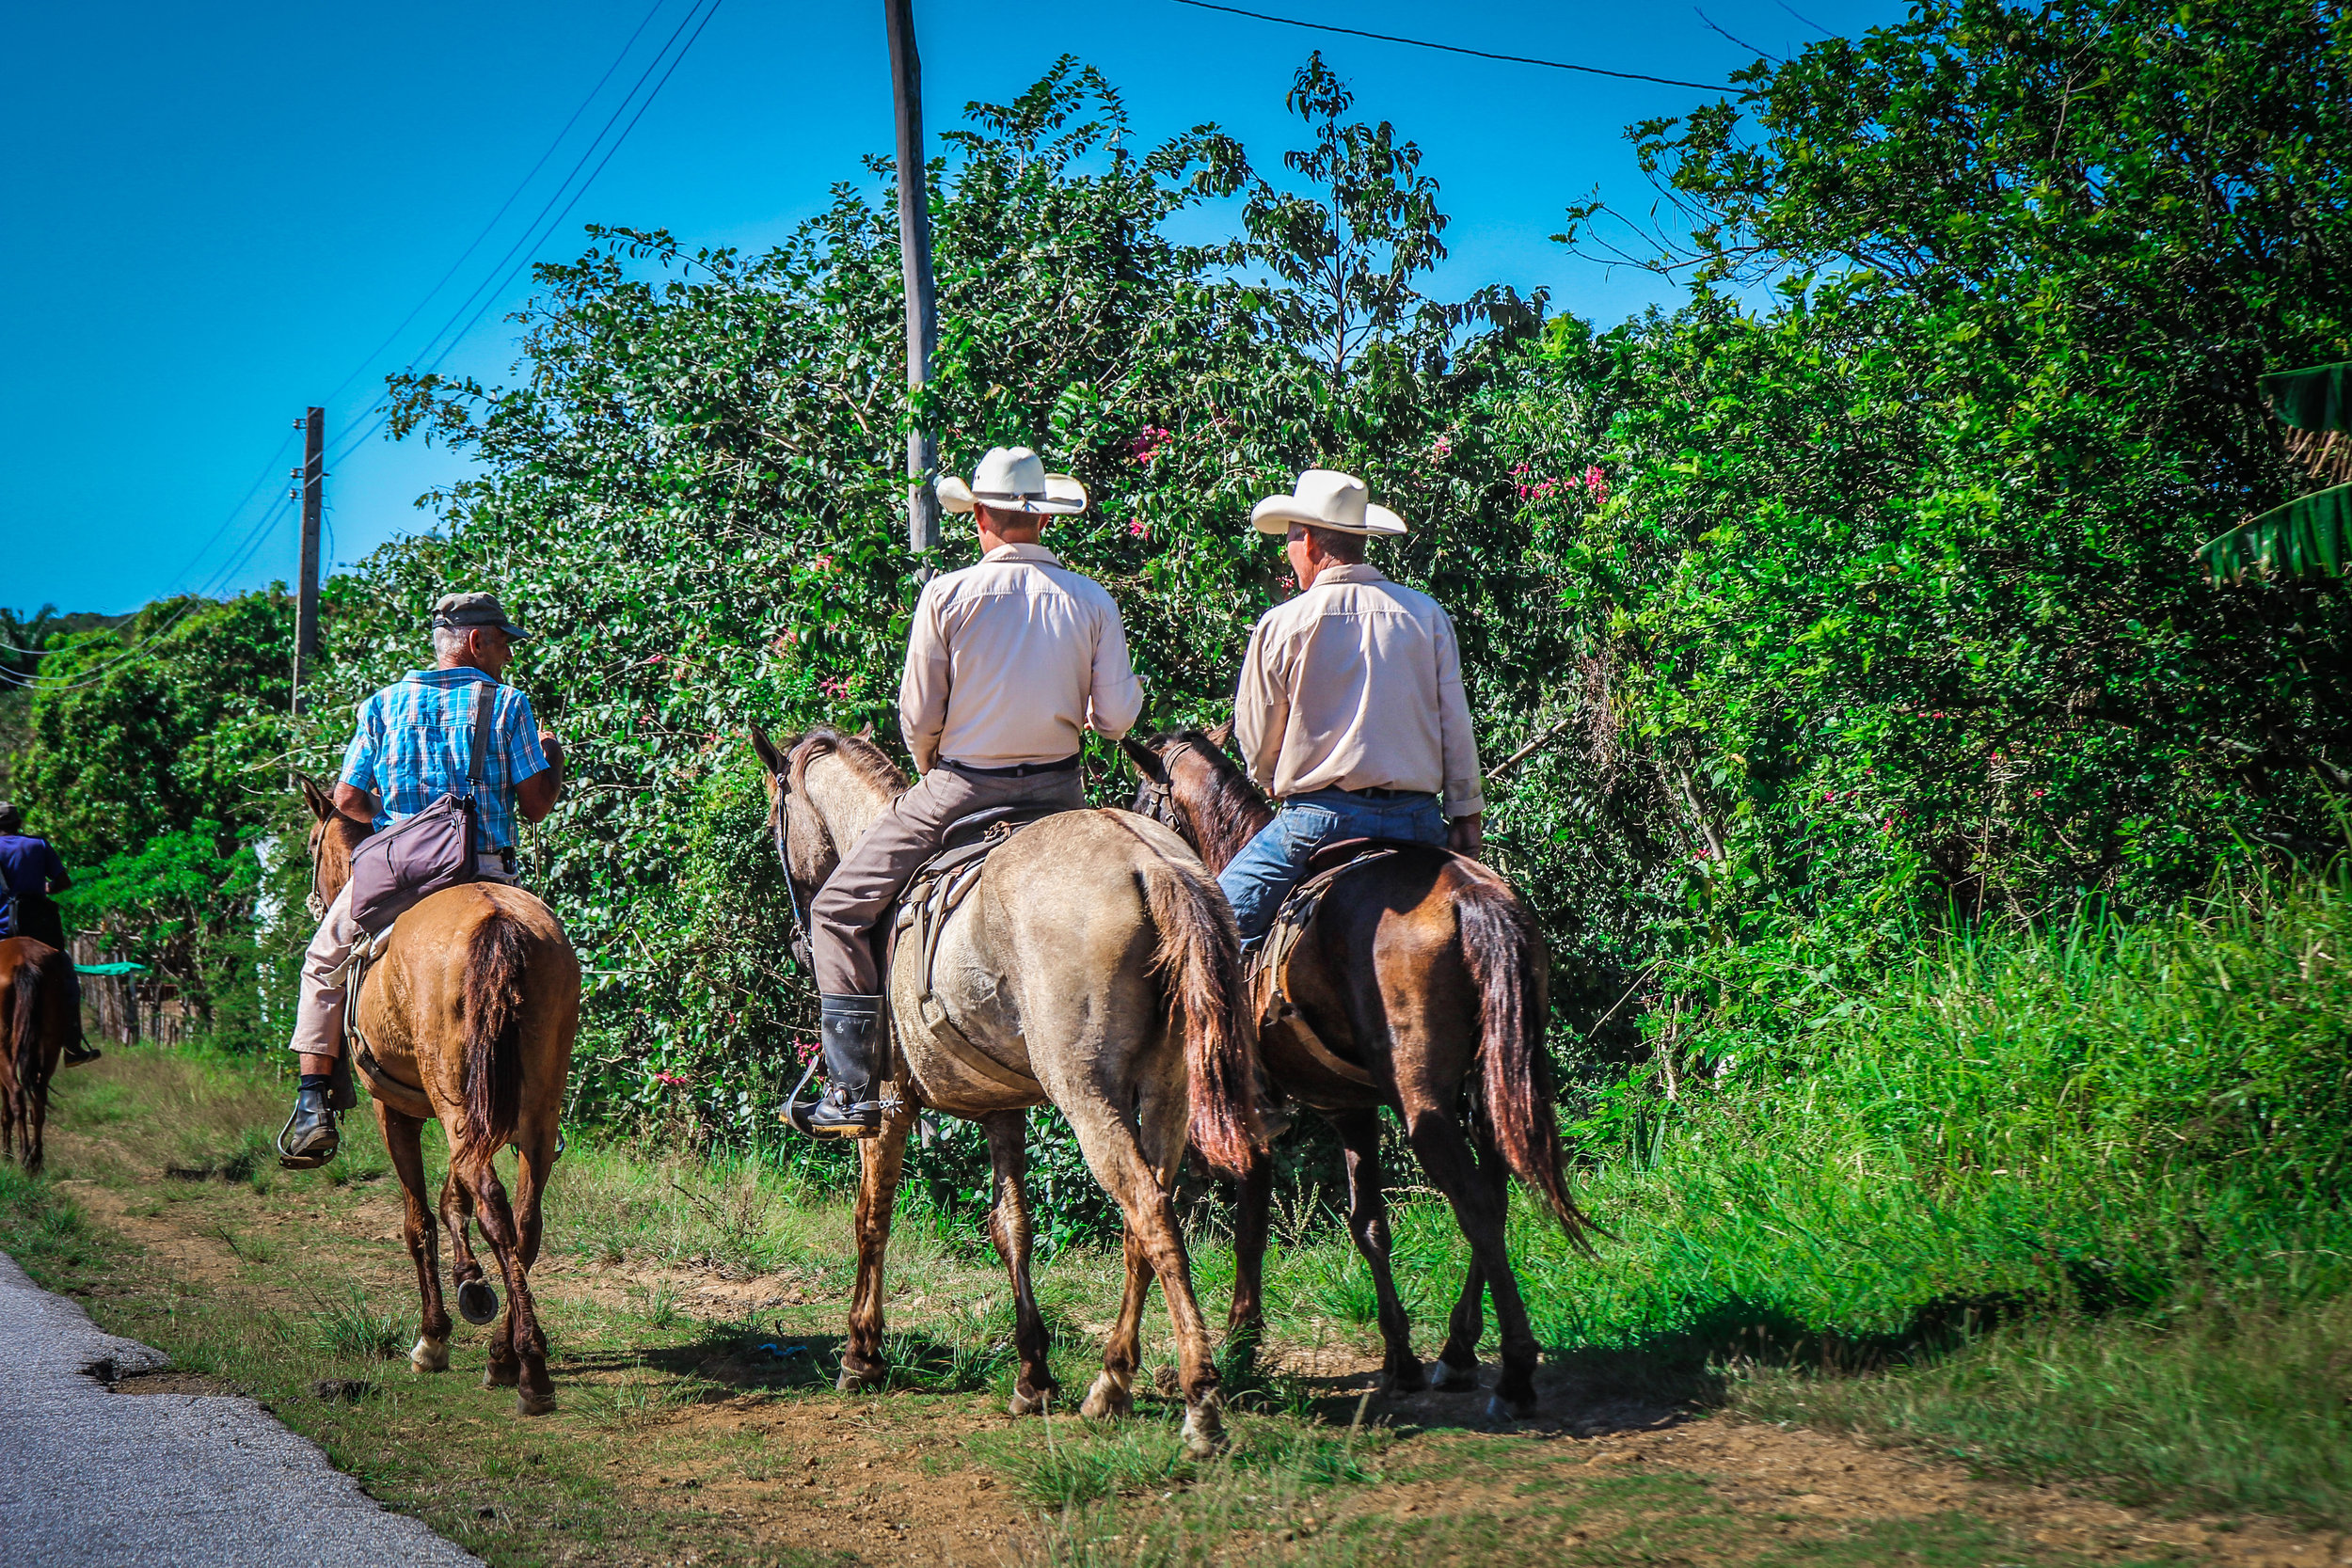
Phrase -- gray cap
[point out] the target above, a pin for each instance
(473, 609)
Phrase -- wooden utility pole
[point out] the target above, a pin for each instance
(313, 472)
(914, 266)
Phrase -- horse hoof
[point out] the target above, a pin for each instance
(495, 1375)
(477, 1302)
(1106, 1399)
(431, 1356)
(1027, 1403)
(1456, 1380)
(1203, 1433)
(1503, 1413)
(529, 1403)
(1410, 1378)
(855, 1382)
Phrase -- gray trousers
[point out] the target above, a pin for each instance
(845, 910)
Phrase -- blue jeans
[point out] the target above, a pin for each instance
(1269, 865)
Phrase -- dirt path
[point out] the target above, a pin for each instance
(697, 1442)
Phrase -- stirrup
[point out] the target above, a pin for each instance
(303, 1161)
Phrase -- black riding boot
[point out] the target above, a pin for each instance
(310, 1138)
(849, 1028)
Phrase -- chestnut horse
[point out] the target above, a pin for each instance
(37, 1023)
(1092, 967)
(472, 1010)
(1427, 971)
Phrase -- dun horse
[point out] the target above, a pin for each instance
(1427, 970)
(1095, 966)
(472, 1007)
(37, 1023)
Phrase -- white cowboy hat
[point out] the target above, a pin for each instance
(1014, 479)
(1326, 498)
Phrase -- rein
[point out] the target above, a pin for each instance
(802, 953)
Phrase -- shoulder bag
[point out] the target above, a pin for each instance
(417, 856)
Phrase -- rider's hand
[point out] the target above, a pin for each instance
(1467, 835)
(552, 746)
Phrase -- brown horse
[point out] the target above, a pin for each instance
(472, 1010)
(37, 1023)
(1425, 969)
(1093, 967)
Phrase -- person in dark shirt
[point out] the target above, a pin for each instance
(30, 871)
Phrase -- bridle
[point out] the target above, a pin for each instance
(800, 951)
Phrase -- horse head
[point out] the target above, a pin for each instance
(333, 837)
(1190, 784)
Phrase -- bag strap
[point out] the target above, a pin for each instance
(484, 701)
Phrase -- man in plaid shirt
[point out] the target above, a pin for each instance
(413, 744)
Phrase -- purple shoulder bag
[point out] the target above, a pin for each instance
(417, 856)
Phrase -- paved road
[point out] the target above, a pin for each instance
(118, 1481)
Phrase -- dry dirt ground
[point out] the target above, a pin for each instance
(697, 1454)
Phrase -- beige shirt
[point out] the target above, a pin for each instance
(1010, 660)
(1357, 684)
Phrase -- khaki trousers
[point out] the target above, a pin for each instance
(870, 877)
(318, 1000)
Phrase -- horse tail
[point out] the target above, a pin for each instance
(25, 1047)
(496, 957)
(1200, 956)
(1504, 954)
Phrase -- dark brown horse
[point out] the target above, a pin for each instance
(469, 1016)
(37, 1023)
(1425, 972)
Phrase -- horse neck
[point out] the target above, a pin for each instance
(846, 799)
(1221, 809)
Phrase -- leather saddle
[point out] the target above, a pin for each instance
(1286, 1038)
(930, 899)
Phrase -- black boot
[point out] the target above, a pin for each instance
(80, 1053)
(310, 1138)
(849, 1027)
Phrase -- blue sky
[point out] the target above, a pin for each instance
(214, 214)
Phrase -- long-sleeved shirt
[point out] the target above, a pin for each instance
(1011, 661)
(1357, 684)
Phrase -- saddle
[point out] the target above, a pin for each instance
(1279, 1020)
(407, 1098)
(931, 898)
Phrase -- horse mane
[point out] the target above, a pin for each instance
(866, 759)
(1229, 812)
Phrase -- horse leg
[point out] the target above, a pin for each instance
(1457, 1370)
(401, 1141)
(477, 1302)
(1009, 1227)
(34, 1109)
(1368, 1223)
(1479, 1207)
(1139, 1174)
(881, 1162)
(1113, 1393)
(1245, 1325)
(524, 1340)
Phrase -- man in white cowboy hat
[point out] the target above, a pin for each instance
(1009, 662)
(1350, 710)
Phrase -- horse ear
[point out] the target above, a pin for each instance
(1147, 761)
(321, 803)
(770, 758)
(1221, 735)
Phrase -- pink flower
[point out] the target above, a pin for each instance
(670, 1079)
(1597, 484)
(1518, 468)
(803, 1050)
(1443, 447)
(1139, 530)
(1147, 444)
(1286, 580)
(835, 687)
(822, 563)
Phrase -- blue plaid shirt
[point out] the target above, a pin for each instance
(415, 741)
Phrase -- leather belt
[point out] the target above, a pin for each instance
(1020, 770)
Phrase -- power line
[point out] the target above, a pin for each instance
(495, 281)
(1459, 49)
(512, 196)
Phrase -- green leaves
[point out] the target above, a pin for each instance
(2306, 537)
(2316, 399)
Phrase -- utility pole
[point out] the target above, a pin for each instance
(312, 472)
(914, 266)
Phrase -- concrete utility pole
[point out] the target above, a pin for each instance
(914, 263)
(312, 473)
